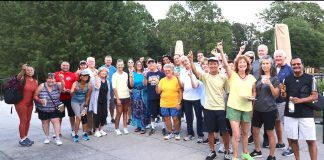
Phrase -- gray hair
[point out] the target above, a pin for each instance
(264, 47)
(170, 66)
(250, 53)
(90, 58)
(279, 51)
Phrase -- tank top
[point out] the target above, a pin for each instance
(80, 95)
(50, 105)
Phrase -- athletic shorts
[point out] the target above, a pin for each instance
(215, 121)
(77, 108)
(238, 116)
(266, 118)
(123, 101)
(281, 111)
(167, 112)
(300, 128)
(48, 115)
(228, 127)
(155, 108)
(67, 104)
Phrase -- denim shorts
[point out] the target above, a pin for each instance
(167, 112)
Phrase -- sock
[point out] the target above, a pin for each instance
(153, 125)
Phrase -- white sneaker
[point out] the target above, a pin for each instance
(47, 141)
(117, 131)
(177, 137)
(221, 148)
(102, 132)
(97, 134)
(125, 131)
(168, 136)
(58, 142)
(72, 134)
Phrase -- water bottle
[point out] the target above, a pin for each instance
(291, 106)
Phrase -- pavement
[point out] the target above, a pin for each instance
(133, 146)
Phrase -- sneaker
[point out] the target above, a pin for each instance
(188, 138)
(177, 136)
(117, 131)
(211, 155)
(97, 134)
(58, 141)
(129, 121)
(72, 133)
(76, 138)
(25, 143)
(227, 156)
(206, 141)
(46, 141)
(158, 120)
(168, 136)
(126, 131)
(85, 137)
(216, 141)
(288, 152)
(102, 132)
(271, 158)
(250, 140)
(280, 146)
(152, 131)
(221, 148)
(112, 120)
(200, 140)
(246, 156)
(265, 144)
(164, 132)
(29, 141)
(256, 154)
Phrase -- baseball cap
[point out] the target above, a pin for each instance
(84, 73)
(150, 61)
(82, 62)
(212, 59)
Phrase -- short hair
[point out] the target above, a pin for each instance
(130, 59)
(170, 66)
(264, 47)
(91, 58)
(273, 70)
(65, 62)
(108, 56)
(183, 57)
(103, 69)
(120, 61)
(278, 51)
(296, 57)
(248, 67)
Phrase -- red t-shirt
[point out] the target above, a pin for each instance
(69, 79)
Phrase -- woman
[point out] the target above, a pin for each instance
(251, 56)
(82, 66)
(25, 107)
(47, 97)
(171, 95)
(122, 96)
(80, 92)
(139, 110)
(242, 93)
(265, 109)
(99, 102)
(129, 70)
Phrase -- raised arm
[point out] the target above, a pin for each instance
(193, 67)
(228, 69)
(21, 74)
(193, 80)
(240, 53)
(61, 84)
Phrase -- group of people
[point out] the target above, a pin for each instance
(227, 97)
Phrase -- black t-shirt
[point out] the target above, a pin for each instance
(300, 87)
(152, 78)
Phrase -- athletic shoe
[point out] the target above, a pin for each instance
(246, 156)
(168, 136)
(102, 132)
(89, 133)
(211, 155)
(250, 140)
(152, 131)
(97, 134)
(216, 141)
(76, 138)
(256, 154)
(188, 138)
(72, 133)
(227, 156)
(288, 152)
(138, 129)
(280, 146)
(125, 131)
(25, 143)
(58, 141)
(85, 137)
(200, 140)
(158, 120)
(29, 141)
(271, 158)
(221, 149)
(46, 141)
(164, 132)
(177, 136)
(118, 133)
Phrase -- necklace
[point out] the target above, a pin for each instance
(242, 77)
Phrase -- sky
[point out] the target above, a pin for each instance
(233, 11)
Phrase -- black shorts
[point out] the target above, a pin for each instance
(48, 115)
(123, 101)
(215, 121)
(67, 104)
(229, 127)
(266, 118)
(154, 107)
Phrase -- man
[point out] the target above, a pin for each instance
(91, 63)
(177, 64)
(299, 91)
(283, 70)
(262, 51)
(111, 69)
(69, 79)
(200, 60)
(151, 79)
(214, 112)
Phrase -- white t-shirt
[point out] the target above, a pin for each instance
(119, 82)
(189, 93)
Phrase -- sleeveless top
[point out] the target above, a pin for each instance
(80, 95)
(55, 93)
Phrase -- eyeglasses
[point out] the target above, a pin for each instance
(296, 64)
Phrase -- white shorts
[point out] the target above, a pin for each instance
(300, 128)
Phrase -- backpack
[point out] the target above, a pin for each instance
(13, 90)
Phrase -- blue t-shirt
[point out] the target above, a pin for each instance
(111, 70)
(138, 80)
(152, 79)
